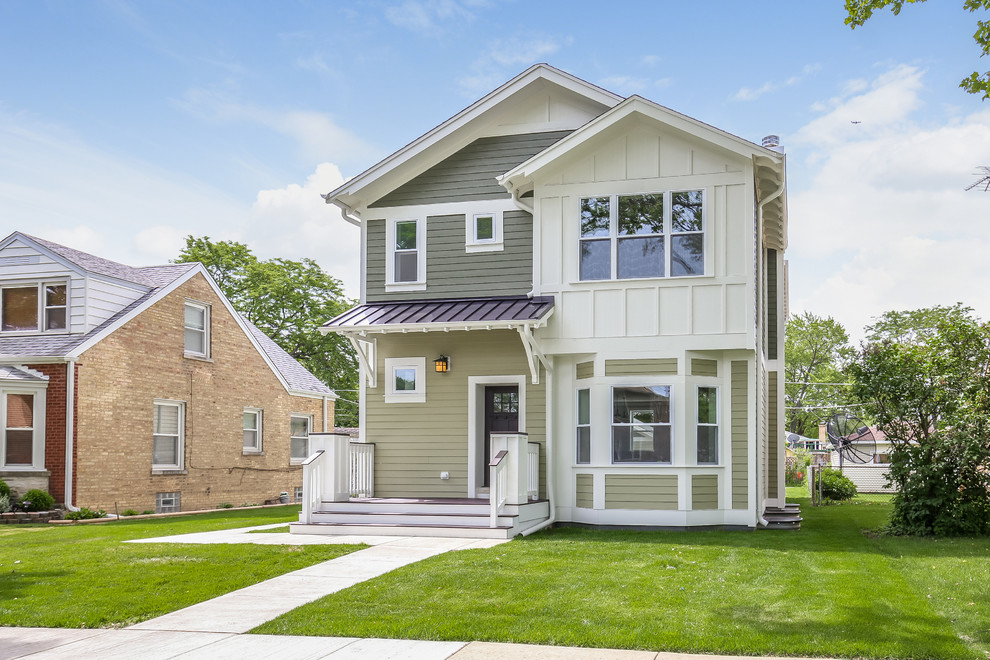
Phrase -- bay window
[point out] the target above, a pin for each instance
(583, 450)
(707, 428)
(641, 428)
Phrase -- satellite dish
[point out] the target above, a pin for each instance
(852, 438)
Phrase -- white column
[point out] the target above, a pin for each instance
(335, 480)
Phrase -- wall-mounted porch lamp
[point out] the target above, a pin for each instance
(442, 364)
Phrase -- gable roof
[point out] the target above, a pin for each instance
(297, 377)
(344, 195)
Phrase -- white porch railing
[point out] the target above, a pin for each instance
(312, 485)
(497, 483)
(362, 464)
(326, 472)
(533, 469)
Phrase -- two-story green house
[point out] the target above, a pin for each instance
(572, 310)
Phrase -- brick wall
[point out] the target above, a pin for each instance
(119, 380)
(55, 426)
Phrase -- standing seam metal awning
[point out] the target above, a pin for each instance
(447, 314)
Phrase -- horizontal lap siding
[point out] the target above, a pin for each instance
(586, 370)
(773, 440)
(470, 173)
(662, 367)
(739, 394)
(584, 491)
(700, 367)
(451, 271)
(415, 442)
(771, 304)
(704, 491)
(641, 491)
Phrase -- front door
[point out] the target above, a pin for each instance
(501, 416)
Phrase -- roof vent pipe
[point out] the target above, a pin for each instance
(772, 142)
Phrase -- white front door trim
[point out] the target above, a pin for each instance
(476, 399)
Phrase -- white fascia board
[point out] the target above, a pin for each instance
(634, 105)
(35, 359)
(467, 115)
(333, 396)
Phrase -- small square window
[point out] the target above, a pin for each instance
(405, 380)
(483, 232)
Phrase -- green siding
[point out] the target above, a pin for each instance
(451, 272)
(739, 404)
(414, 442)
(772, 304)
(470, 173)
(773, 439)
(586, 370)
(641, 491)
(584, 491)
(700, 367)
(704, 491)
(660, 366)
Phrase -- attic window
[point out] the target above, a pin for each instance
(483, 232)
(21, 307)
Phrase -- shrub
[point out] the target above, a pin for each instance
(128, 512)
(147, 512)
(225, 505)
(85, 514)
(4, 488)
(6, 506)
(37, 500)
(836, 487)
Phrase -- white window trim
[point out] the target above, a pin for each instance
(717, 424)
(471, 241)
(417, 395)
(578, 426)
(42, 307)
(668, 233)
(259, 422)
(38, 438)
(180, 452)
(420, 283)
(670, 424)
(207, 322)
(309, 420)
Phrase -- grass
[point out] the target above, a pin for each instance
(84, 576)
(829, 590)
(284, 529)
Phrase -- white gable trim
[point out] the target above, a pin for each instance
(464, 117)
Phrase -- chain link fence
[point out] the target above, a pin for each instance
(870, 481)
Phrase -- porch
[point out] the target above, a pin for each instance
(339, 495)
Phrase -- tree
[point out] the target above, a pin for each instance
(287, 300)
(928, 373)
(817, 351)
(860, 11)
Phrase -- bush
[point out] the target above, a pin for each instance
(85, 514)
(128, 512)
(4, 488)
(836, 487)
(37, 500)
(147, 512)
(225, 505)
(6, 506)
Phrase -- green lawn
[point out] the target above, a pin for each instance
(84, 576)
(827, 590)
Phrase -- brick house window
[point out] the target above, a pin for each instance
(197, 330)
(168, 436)
(300, 426)
(168, 502)
(252, 430)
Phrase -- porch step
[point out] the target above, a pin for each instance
(411, 518)
(787, 517)
(407, 529)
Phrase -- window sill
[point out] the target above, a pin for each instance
(484, 247)
(195, 356)
(405, 398)
(253, 452)
(405, 286)
(168, 472)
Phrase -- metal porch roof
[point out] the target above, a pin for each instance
(447, 312)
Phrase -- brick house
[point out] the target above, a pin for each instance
(142, 388)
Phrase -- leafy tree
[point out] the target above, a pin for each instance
(928, 373)
(817, 351)
(860, 11)
(287, 300)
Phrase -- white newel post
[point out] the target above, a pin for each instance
(335, 477)
(517, 468)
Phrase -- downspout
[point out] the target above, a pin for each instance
(550, 466)
(70, 423)
(325, 429)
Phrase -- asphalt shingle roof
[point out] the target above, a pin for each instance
(296, 376)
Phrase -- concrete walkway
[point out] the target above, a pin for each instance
(212, 629)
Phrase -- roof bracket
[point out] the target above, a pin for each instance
(534, 354)
(366, 350)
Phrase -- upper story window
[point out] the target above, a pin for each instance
(197, 330)
(640, 236)
(483, 232)
(405, 264)
(33, 307)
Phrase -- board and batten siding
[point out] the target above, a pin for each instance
(451, 271)
(704, 491)
(641, 491)
(739, 432)
(704, 367)
(469, 174)
(645, 367)
(584, 491)
(415, 442)
(773, 439)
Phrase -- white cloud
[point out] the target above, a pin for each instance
(504, 58)
(160, 243)
(427, 16)
(885, 222)
(751, 94)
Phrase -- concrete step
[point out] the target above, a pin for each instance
(445, 531)
(410, 518)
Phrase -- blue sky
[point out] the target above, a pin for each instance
(125, 126)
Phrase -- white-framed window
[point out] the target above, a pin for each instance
(300, 426)
(405, 380)
(647, 235)
(33, 307)
(168, 451)
(483, 232)
(252, 430)
(582, 452)
(197, 329)
(297, 494)
(641, 426)
(405, 264)
(168, 502)
(18, 429)
(707, 430)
